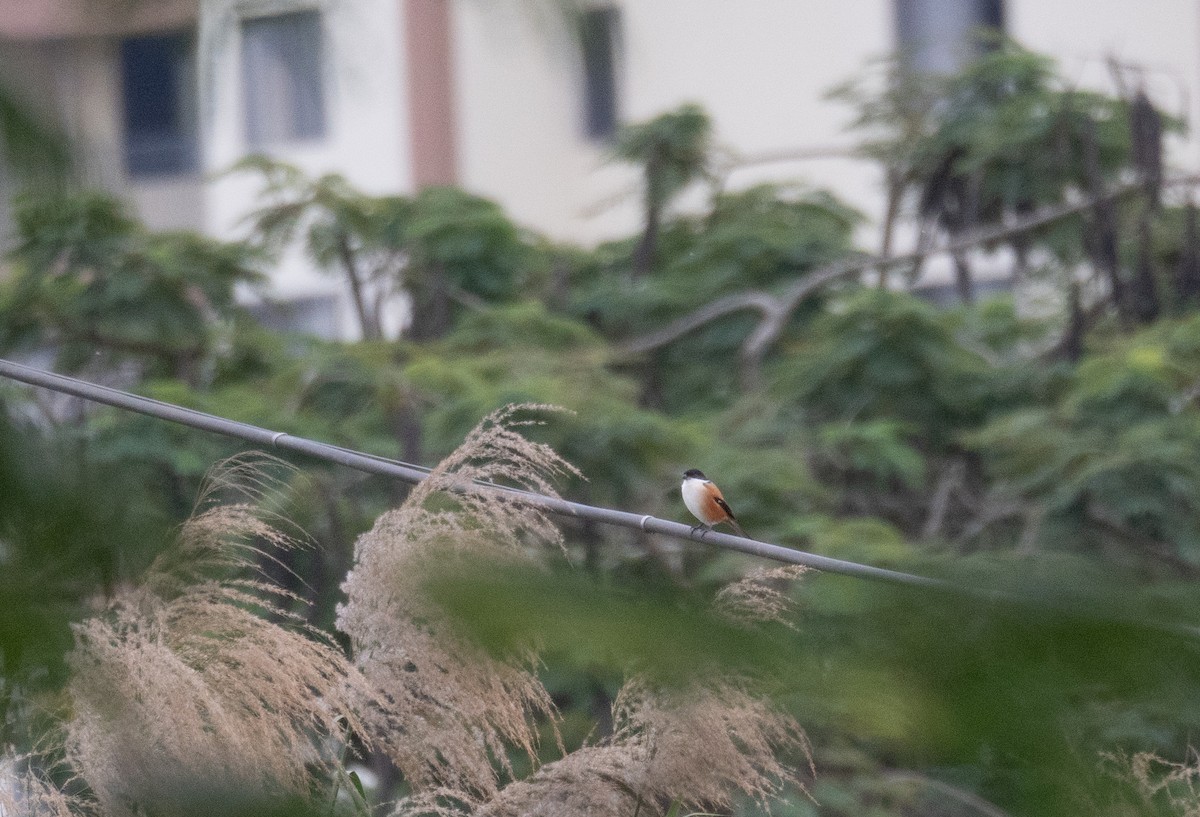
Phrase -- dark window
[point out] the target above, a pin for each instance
(942, 36)
(282, 78)
(599, 29)
(159, 90)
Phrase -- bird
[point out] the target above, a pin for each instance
(704, 499)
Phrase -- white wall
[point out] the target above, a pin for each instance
(760, 69)
(519, 111)
(366, 115)
(170, 202)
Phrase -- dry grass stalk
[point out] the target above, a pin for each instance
(452, 711)
(761, 596)
(185, 682)
(700, 746)
(27, 792)
(1163, 783)
(709, 740)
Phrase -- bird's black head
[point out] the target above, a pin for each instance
(694, 473)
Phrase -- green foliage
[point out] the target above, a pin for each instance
(881, 450)
(70, 532)
(90, 281)
(84, 230)
(470, 239)
(1008, 689)
(866, 540)
(327, 209)
(1008, 122)
(1111, 461)
(522, 354)
(444, 246)
(672, 149)
(765, 237)
(1005, 126)
(1004, 137)
(880, 355)
(662, 631)
(895, 110)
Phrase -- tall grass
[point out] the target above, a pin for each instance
(200, 689)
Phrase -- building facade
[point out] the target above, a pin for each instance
(512, 99)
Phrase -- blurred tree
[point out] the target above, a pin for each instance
(895, 112)
(1000, 139)
(672, 151)
(91, 282)
(463, 252)
(446, 248)
(71, 533)
(1109, 463)
(342, 229)
(887, 387)
(766, 237)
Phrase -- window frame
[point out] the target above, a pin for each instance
(141, 158)
(601, 84)
(922, 49)
(265, 135)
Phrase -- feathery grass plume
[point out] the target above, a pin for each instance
(27, 791)
(592, 781)
(706, 742)
(699, 746)
(1167, 787)
(760, 596)
(452, 711)
(200, 683)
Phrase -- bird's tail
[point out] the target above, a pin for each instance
(733, 524)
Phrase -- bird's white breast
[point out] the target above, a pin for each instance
(695, 497)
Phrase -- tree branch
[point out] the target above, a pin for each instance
(727, 305)
(952, 475)
(1138, 542)
(777, 309)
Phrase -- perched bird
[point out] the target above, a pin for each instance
(703, 498)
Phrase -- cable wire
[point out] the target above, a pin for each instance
(406, 472)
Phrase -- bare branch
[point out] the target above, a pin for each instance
(757, 343)
(737, 161)
(776, 309)
(953, 475)
(728, 305)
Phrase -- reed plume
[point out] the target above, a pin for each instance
(201, 678)
(451, 711)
